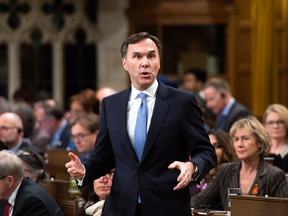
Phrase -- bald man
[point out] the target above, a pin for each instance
(11, 132)
(104, 92)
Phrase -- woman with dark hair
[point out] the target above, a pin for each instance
(95, 194)
(84, 102)
(33, 164)
(224, 150)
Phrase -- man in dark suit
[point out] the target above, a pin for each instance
(51, 119)
(11, 132)
(220, 100)
(147, 132)
(20, 196)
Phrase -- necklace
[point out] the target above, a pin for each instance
(246, 185)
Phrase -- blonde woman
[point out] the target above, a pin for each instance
(251, 173)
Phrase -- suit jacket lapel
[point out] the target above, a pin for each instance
(23, 183)
(232, 179)
(121, 110)
(159, 113)
(261, 172)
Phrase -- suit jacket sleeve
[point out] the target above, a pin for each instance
(102, 159)
(201, 150)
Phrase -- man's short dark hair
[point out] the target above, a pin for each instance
(55, 111)
(199, 74)
(90, 121)
(135, 38)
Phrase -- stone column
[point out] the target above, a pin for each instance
(14, 73)
(113, 25)
(58, 72)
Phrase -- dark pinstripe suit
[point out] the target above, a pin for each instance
(270, 180)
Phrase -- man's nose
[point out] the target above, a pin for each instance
(144, 62)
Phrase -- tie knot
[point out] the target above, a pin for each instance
(142, 96)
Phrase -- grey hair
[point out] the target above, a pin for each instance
(10, 164)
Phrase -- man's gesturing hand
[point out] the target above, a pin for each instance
(186, 171)
(75, 167)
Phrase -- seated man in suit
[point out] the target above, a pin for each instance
(51, 119)
(11, 132)
(84, 130)
(220, 100)
(21, 196)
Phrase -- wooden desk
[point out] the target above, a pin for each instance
(57, 158)
(59, 190)
(258, 206)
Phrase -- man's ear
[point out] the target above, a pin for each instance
(10, 180)
(124, 63)
(96, 132)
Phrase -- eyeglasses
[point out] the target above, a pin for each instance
(79, 136)
(3, 128)
(279, 122)
(110, 174)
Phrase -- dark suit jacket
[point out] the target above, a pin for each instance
(176, 129)
(64, 138)
(271, 181)
(32, 199)
(236, 112)
(26, 143)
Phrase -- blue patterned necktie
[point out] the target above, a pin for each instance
(141, 126)
(140, 129)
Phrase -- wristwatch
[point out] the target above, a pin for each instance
(196, 173)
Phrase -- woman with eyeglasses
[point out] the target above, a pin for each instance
(95, 194)
(33, 164)
(275, 120)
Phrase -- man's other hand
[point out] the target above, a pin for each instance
(186, 171)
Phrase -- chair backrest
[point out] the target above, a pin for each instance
(57, 158)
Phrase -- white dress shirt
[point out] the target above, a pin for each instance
(132, 112)
(134, 104)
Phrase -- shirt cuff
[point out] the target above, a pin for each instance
(80, 181)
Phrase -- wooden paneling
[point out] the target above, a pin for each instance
(236, 15)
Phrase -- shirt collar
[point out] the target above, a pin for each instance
(60, 129)
(228, 107)
(151, 91)
(16, 148)
(12, 197)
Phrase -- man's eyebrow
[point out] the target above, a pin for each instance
(138, 53)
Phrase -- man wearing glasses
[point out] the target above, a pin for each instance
(84, 130)
(11, 132)
(20, 195)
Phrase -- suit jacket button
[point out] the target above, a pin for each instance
(140, 171)
(135, 193)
